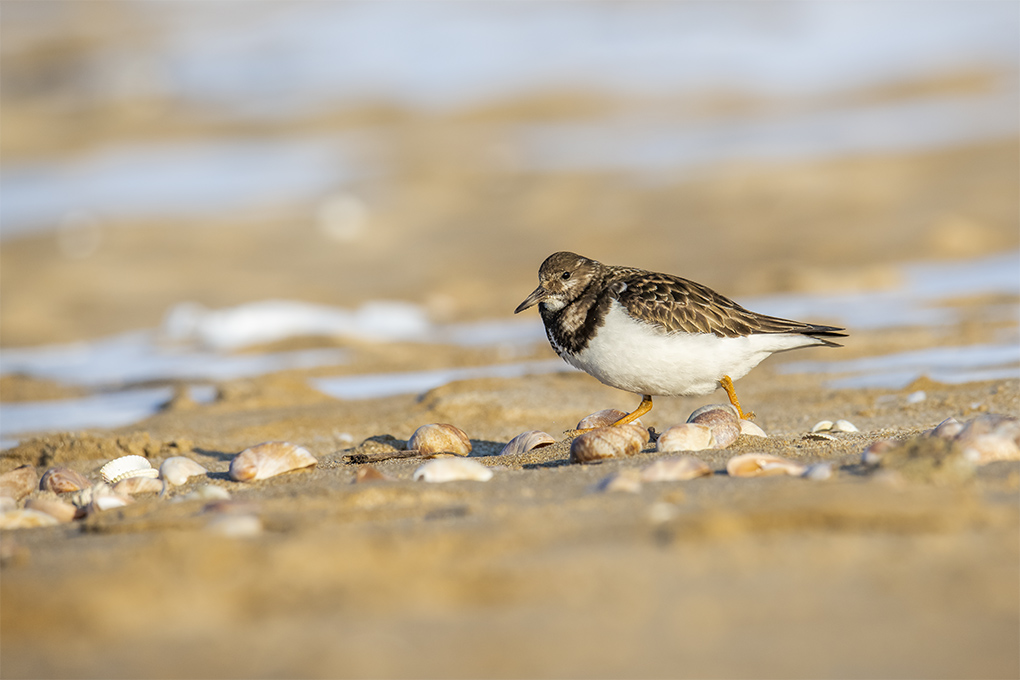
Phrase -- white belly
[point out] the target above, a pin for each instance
(641, 358)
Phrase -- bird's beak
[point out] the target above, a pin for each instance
(536, 296)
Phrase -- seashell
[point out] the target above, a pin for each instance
(762, 465)
(723, 420)
(608, 442)
(818, 472)
(824, 436)
(104, 498)
(19, 482)
(603, 418)
(206, 492)
(526, 441)
(26, 518)
(268, 460)
(872, 455)
(369, 473)
(686, 437)
(452, 470)
(989, 438)
(125, 467)
(62, 511)
(440, 438)
(948, 428)
(63, 480)
(628, 481)
(177, 469)
(676, 469)
(844, 426)
(235, 525)
(822, 426)
(133, 485)
(751, 429)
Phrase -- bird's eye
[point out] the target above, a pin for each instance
(566, 275)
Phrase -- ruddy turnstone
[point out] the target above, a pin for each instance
(657, 334)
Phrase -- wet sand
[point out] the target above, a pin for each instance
(534, 573)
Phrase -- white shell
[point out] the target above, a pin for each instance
(127, 466)
(676, 469)
(603, 418)
(526, 441)
(723, 420)
(452, 470)
(822, 426)
(440, 438)
(991, 437)
(948, 428)
(177, 469)
(268, 460)
(761, 465)
(63, 480)
(132, 485)
(107, 500)
(206, 492)
(608, 442)
(844, 426)
(751, 429)
(686, 437)
(818, 472)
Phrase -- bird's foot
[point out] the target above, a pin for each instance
(727, 385)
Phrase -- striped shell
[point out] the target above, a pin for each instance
(452, 470)
(762, 465)
(132, 485)
(125, 467)
(526, 441)
(63, 480)
(603, 418)
(686, 437)
(268, 460)
(722, 419)
(440, 438)
(608, 442)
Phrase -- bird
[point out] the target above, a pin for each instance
(657, 334)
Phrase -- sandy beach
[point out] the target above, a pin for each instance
(895, 569)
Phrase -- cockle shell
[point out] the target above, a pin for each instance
(133, 485)
(723, 420)
(268, 460)
(526, 441)
(603, 418)
(63, 480)
(440, 438)
(762, 465)
(686, 437)
(751, 429)
(127, 466)
(608, 442)
(19, 482)
(63, 512)
(177, 469)
(675, 469)
(452, 470)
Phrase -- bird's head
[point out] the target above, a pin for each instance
(561, 279)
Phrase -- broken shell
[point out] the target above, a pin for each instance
(844, 426)
(26, 518)
(19, 482)
(603, 418)
(177, 469)
(452, 470)
(628, 481)
(762, 465)
(63, 512)
(369, 473)
(723, 420)
(686, 437)
(526, 441)
(63, 480)
(133, 485)
(608, 442)
(127, 466)
(675, 469)
(268, 460)
(751, 429)
(822, 426)
(440, 438)
(948, 428)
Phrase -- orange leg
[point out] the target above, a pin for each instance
(727, 385)
(644, 407)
